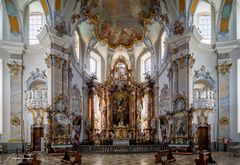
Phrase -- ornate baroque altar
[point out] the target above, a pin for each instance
(117, 109)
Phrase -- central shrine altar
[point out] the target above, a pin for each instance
(121, 109)
(121, 134)
(121, 131)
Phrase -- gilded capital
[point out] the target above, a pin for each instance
(54, 60)
(224, 68)
(15, 68)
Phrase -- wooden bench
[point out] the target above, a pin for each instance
(67, 157)
(204, 158)
(165, 153)
(30, 160)
(235, 150)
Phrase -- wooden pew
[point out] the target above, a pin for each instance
(204, 158)
(165, 153)
(67, 157)
(30, 160)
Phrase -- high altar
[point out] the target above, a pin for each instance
(116, 109)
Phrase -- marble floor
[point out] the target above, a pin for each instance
(222, 158)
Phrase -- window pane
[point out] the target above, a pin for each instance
(93, 66)
(205, 25)
(147, 65)
(35, 25)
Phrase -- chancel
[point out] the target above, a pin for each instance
(87, 79)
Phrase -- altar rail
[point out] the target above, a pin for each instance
(119, 149)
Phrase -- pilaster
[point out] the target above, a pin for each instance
(16, 119)
(223, 70)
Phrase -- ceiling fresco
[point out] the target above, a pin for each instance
(120, 22)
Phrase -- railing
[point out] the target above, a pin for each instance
(119, 148)
(37, 99)
(203, 103)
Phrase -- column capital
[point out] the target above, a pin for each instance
(15, 68)
(224, 68)
(54, 60)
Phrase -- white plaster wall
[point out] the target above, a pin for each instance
(208, 58)
(32, 59)
(234, 97)
(6, 97)
(163, 79)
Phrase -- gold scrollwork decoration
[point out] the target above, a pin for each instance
(15, 68)
(224, 68)
(224, 120)
(15, 121)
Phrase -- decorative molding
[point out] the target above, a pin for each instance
(178, 28)
(202, 119)
(182, 62)
(224, 120)
(164, 103)
(224, 68)
(54, 60)
(15, 68)
(59, 104)
(61, 29)
(15, 121)
(202, 73)
(37, 74)
(180, 104)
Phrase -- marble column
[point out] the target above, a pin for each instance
(223, 69)
(16, 119)
(109, 115)
(91, 105)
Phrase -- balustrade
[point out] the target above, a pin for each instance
(203, 103)
(37, 99)
(119, 148)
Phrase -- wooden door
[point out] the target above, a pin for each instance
(203, 140)
(37, 133)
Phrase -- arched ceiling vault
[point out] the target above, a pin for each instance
(124, 24)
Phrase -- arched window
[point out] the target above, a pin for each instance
(95, 65)
(203, 20)
(204, 25)
(76, 44)
(163, 45)
(36, 21)
(145, 65)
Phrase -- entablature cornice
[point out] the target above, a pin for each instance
(12, 47)
(227, 47)
(48, 36)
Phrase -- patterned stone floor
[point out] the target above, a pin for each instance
(222, 158)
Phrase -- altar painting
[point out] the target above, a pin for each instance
(120, 102)
(180, 123)
(60, 125)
